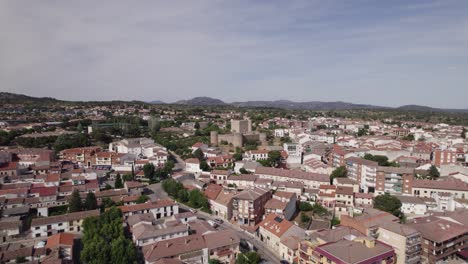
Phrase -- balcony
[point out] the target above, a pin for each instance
(413, 259)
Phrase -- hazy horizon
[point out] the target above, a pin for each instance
(385, 53)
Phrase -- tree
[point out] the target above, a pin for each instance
(183, 195)
(305, 218)
(362, 132)
(118, 182)
(107, 202)
(198, 200)
(197, 125)
(388, 203)
(237, 156)
(463, 133)
(21, 260)
(380, 159)
(105, 241)
(274, 158)
(199, 154)
(409, 137)
(433, 172)
(339, 172)
(74, 204)
(67, 141)
(127, 177)
(79, 127)
(213, 261)
(90, 201)
(149, 170)
(244, 171)
(305, 206)
(251, 257)
(142, 199)
(317, 209)
(99, 135)
(204, 166)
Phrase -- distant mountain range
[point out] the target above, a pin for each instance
(201, 101)
(11, 98)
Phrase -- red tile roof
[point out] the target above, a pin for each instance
(60, 239)
(212, 191)
(146, 206)
(276, 225)
(45, 191)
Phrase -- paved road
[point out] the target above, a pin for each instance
(179, 164)
(264, 252)
(156, 192)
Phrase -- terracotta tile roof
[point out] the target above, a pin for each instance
(275, 204)
(9, 166)
(404, 230)
(437, 229)
(224, 198)
(60, 239)
(197, 145)
(53, 177)
(364, 195)
(344, 190)
(220, 172)
(296, 174)
(134, 184)
(173, 247)
(251, 194)
(63, 218)
(243, 177)
(192, 160)
(365, 162)
(353, 251)
(275, 225)
(45, 191)
(222, 238)
(446, 184)
(146, 206)
(212, 191)
(284, 195)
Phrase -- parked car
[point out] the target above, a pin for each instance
(218, 221)
(212, 223)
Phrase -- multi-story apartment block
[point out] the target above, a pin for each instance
(363, 171)
(444, 157)
(390, 180)
(71, 222)
(309, 179)
(442, 237)
(353, 250)
(369, 221)
(249, 206)
(404, 239)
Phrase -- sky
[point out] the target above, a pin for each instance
(387, 53)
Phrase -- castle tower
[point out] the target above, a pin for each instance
(214, 138)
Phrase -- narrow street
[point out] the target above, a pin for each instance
(179, 164)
